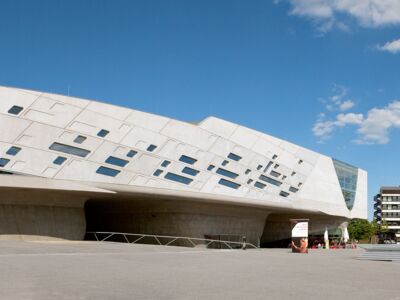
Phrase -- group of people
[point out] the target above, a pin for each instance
(334, 244)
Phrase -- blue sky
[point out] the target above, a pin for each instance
(322, 74)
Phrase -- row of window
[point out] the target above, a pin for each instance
(16, 110)
(122, 162)
(390, 198)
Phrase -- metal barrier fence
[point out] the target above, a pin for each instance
(380, 252)
(164, 240)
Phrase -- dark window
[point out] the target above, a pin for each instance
(234, 156)
(210, 167)
(178, 178)
(151, 148)
(300, 161)
(69, 149)
(157, 172)
(274, 156)
(165, 163)
(131, 153)
(276, 166)
(103, 133)
(116, 161)
(4, 162)
(79, 139)
(284, 194)
(15, 110)
(249, 181)
(259, 185)
(293, 189)
(247, 171)
(187, 159)
(227, 173)
(229, 184)
(13, 150)
(259, 167)
(107, 171)
(275, 174)
(284, 177)
(59, 160)
(270, 180)
(190, 171)
(293, 173)
(225, 162)
(267, 166)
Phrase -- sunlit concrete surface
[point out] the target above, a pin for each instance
(92, 270)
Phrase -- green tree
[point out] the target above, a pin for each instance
(360, 229)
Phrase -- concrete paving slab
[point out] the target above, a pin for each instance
(93, 270)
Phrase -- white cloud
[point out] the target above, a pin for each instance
(350, 118)
(392, 47)
(338, 101)
(323, 129)
(346, 105)
(373, 128)
(327, 14)
(377, 124)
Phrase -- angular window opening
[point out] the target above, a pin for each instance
(107, 171)
(270, 180)
(225, 162)
(80, 139)
(190, 171)
(178, 178)
(276, 166)
(151, 148)
(117, 161)
(247, 171)
(274, 156)
(59, 160)
(103, 133)
(267, 166)
(165, 163)
(275, 174)
(15, 110)
(293, 173)
(227, 173)
(210, 167)
(347, 178)
(131, 153)
(300, 184)
(259, 185)
(229, 184)
(13, 150)
(259, 167)
(187, 159)
(158, 172)
(69, 149)
(4, 162)
(250, 181)
(284, 194)
(293, 189)
(284, 177)
(234, 156)
(300, 161)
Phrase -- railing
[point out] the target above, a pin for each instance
(165, 240)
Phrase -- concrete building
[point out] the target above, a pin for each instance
(387, 209)
(70, 165)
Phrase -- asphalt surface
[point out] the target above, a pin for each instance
(93, 270)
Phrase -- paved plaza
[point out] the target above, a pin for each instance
(92, 270)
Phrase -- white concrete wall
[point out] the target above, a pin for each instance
(48, 118)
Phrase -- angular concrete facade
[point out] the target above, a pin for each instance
(71, 165)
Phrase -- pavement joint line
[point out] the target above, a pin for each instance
(110, 253)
